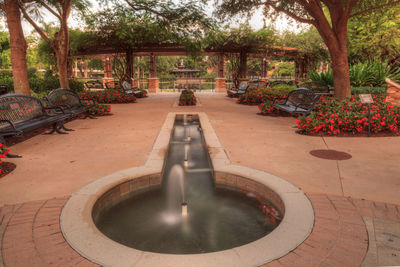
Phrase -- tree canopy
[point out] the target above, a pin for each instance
(329, 17)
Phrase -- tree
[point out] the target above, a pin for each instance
(329, 17)
(18, 46)
(375, 36)
(59, 43)
(312, 49)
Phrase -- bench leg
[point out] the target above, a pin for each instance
(90, 116)
(9, 155)
(65, 128)
(56, 128)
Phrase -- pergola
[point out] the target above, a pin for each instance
(152, 50)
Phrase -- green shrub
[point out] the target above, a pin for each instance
(108, 97)
(284, 87)
(32, 72)
(255, 96)
(7, 73)
(369, 74)
(100, 110)
(7, 81)
(323, 77)
(266, 108)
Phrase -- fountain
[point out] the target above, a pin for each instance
(219, 217)
(191, 201)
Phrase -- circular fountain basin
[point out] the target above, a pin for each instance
(86, 205)
(225, 218)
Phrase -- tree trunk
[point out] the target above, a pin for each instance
(61, 48)
(62, 66)
(18, 48)
(341, 75)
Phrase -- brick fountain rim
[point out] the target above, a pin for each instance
(82, 235)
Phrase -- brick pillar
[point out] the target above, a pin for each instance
(154, 85)
(107, 71)
(135, 83)
(220, 85)
(264, 69)
(393, 92)
(154, 82)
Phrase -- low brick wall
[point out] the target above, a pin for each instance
(151, 182)
(124, 191)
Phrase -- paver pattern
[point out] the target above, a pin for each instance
(33, 237)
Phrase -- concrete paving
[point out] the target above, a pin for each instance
(350, 198)
(58, 165)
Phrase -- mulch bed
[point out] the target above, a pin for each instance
(6, 168)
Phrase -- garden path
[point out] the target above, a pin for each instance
(57, 165)
(350, 197)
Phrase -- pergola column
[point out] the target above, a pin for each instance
(220, 85)
(154, 82)
(129, 65)
(243, 66)
(264, 69)
(107, 70)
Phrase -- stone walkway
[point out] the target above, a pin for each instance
(32, 235)
(55, 166)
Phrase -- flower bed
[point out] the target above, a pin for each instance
(3, 152)
(108, 97)
(255, 96)
(187, 98)
(334, 117)
(100, 110)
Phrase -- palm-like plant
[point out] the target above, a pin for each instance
(369, 74)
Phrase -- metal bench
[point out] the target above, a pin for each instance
(128, 89)
(70, 102)
(96, 85)
(317, 87)
(242, 88)
(113, 85)
(298, 102)
(22, 113)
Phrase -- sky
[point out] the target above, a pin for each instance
(256, 21)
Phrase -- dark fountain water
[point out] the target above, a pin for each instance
(214, 219)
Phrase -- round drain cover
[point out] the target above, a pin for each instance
(330, 154)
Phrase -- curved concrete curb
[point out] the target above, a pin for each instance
(81, 233)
